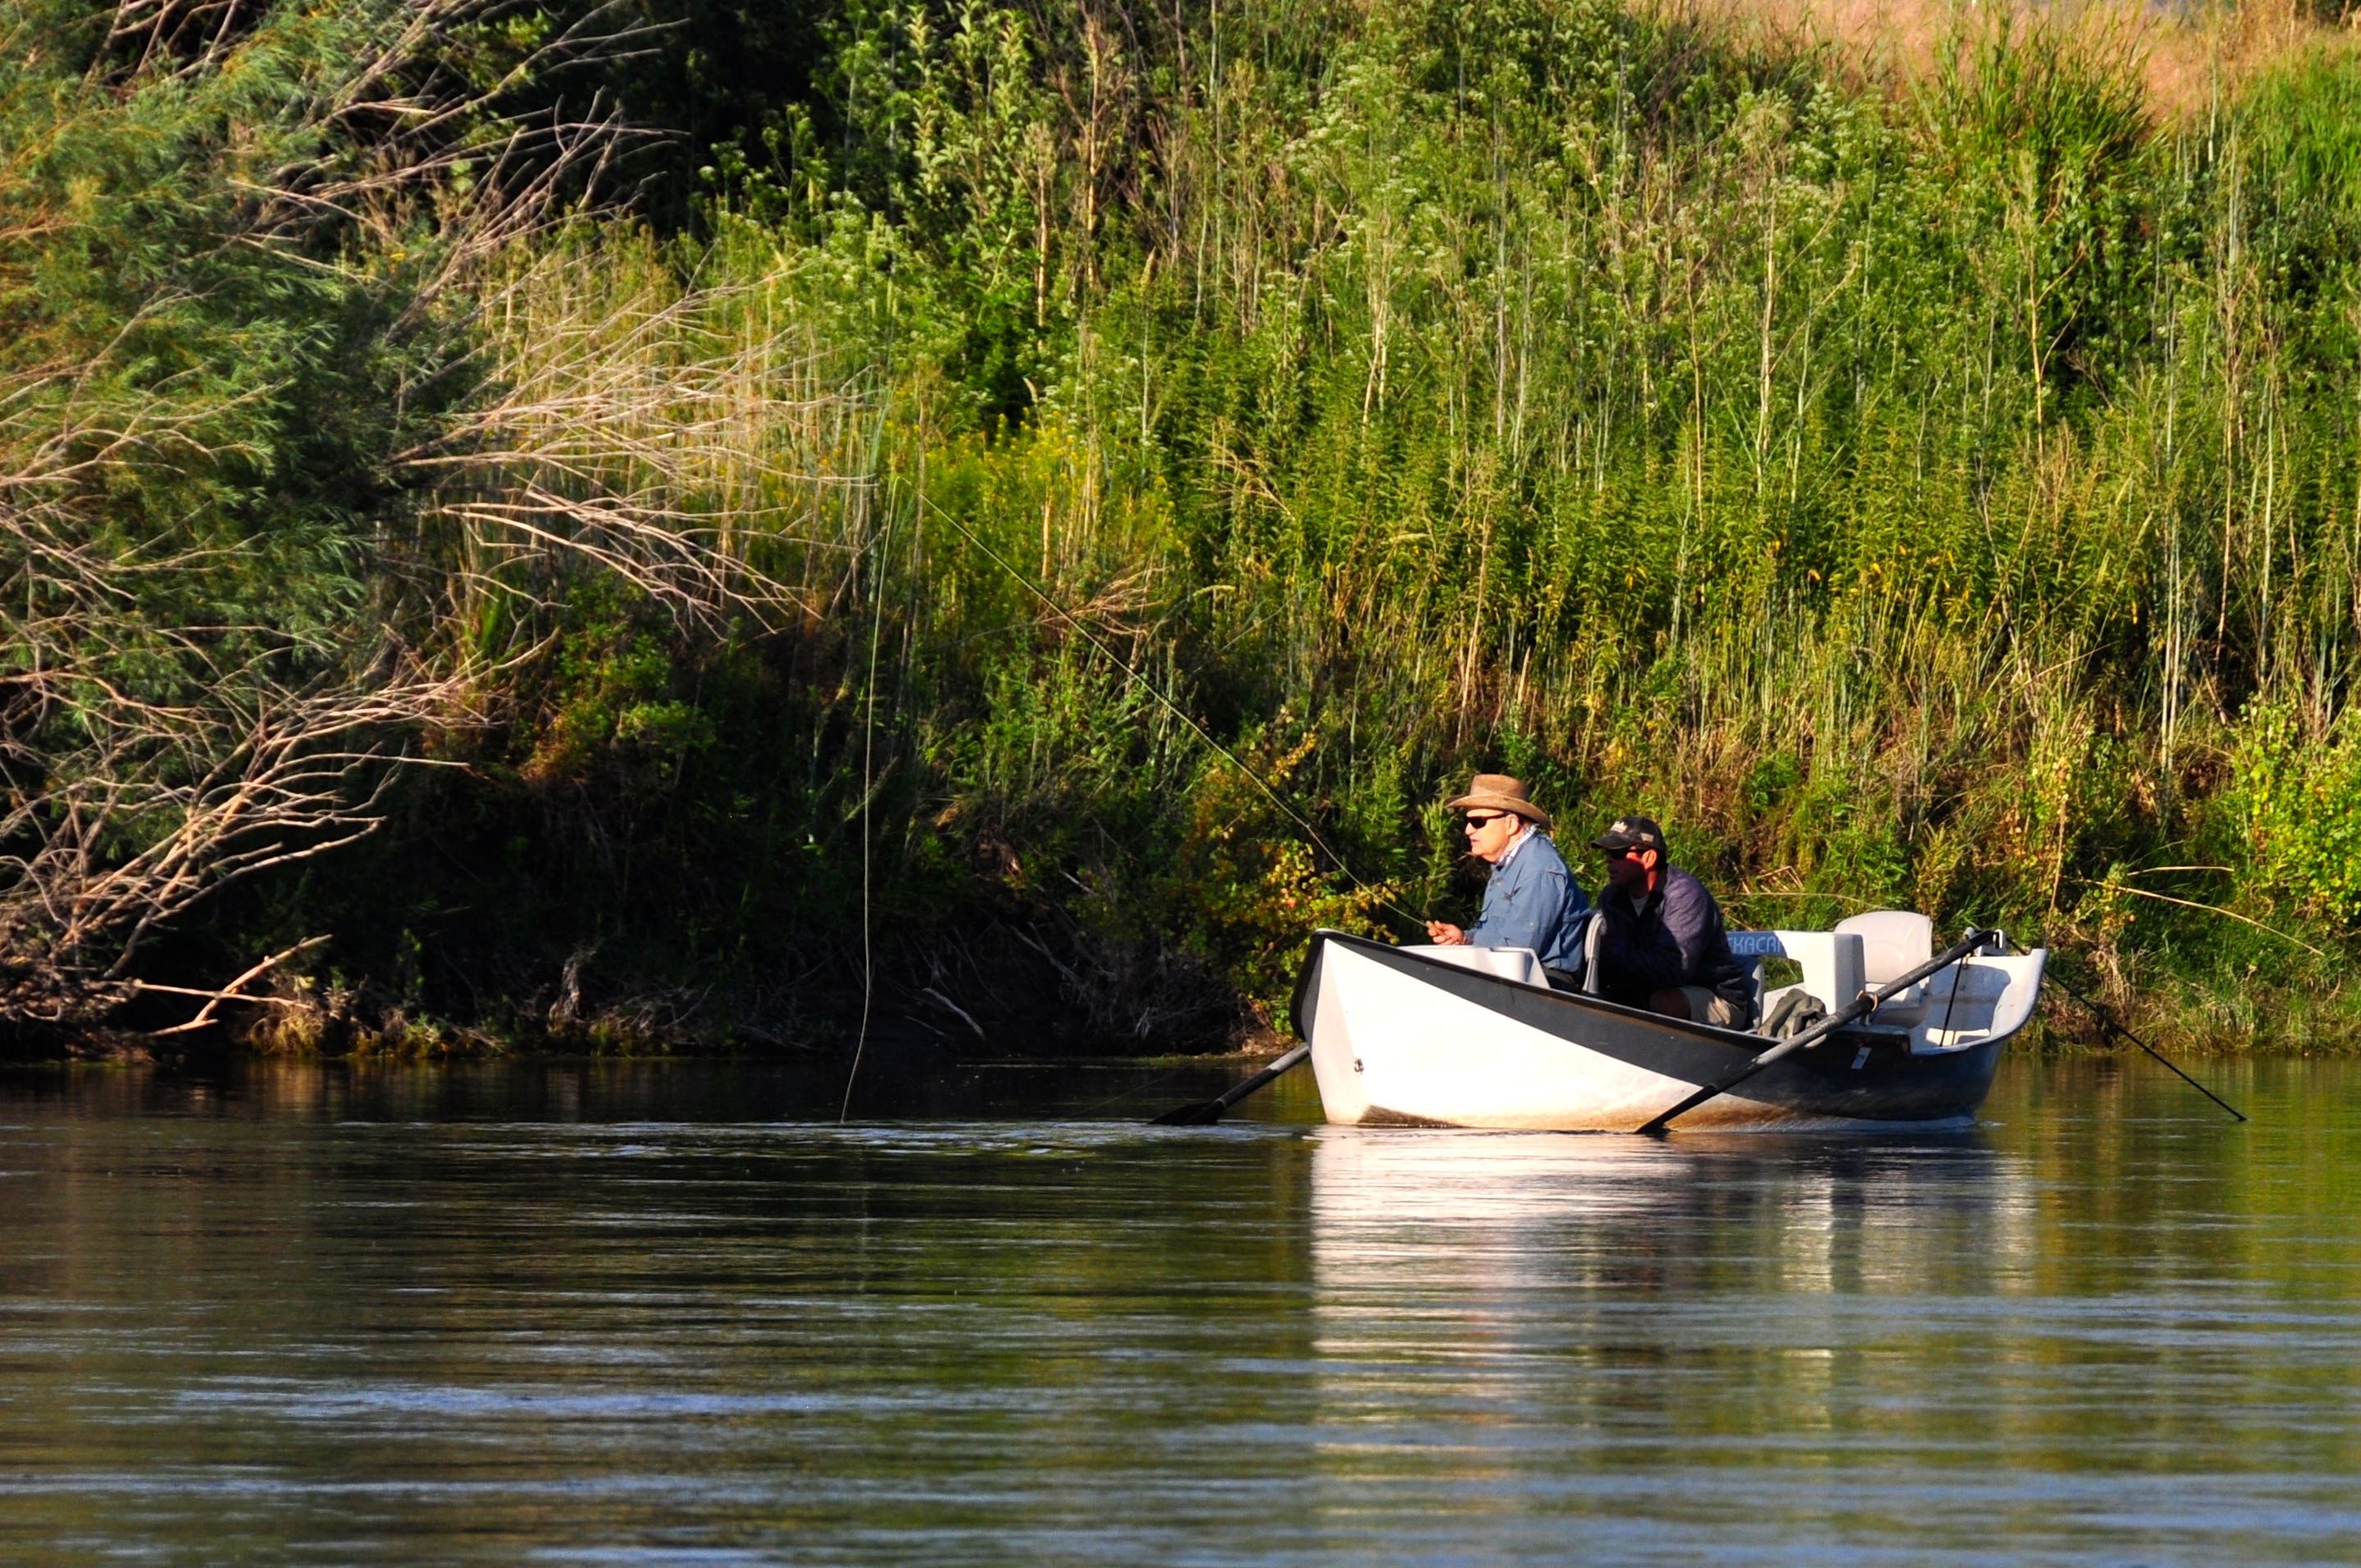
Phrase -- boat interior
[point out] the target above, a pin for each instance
(1985, 994)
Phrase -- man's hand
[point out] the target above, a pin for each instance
(1444, 935)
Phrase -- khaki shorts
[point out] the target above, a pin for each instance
(1712, 1007)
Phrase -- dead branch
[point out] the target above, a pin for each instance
(234, 990)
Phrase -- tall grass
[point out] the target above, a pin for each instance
(1936, 485)
(1065, 525)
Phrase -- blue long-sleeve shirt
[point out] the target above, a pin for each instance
(1532, 902)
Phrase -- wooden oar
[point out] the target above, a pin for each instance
(1205, 1112)
(1867, 1002)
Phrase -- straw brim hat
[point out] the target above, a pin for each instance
(1499, 792)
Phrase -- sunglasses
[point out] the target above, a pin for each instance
(1474, 821)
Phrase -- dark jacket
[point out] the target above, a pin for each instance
(1674, 937)
(1532, 902)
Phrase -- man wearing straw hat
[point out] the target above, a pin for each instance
(1533, 901)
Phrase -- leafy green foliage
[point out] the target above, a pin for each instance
(1898, 492)
(1933, 492)
(2297, 796)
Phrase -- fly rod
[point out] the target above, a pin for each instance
(2106, 1018)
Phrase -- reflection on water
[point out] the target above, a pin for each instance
(1709, 1301)
(589, 1313)
(1576, 1213)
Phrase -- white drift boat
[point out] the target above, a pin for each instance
(1476, 1038)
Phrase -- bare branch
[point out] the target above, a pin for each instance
(679, 440)
(234, 990)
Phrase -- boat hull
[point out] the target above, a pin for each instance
(1403, 1037)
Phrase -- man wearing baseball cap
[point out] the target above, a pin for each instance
(1533, 901)
(1662, 944)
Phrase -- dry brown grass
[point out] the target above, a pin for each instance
(2190, 58)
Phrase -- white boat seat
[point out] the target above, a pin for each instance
(1893, 943)
(1830, 962)
(1520, 964)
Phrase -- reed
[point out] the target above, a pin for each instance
(1917, 482)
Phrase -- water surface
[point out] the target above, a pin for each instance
(588, 1314)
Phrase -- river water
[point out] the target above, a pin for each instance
(644, 1313)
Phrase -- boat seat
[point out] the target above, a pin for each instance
(1829, 963)
(1893, 943)
(1520, 964)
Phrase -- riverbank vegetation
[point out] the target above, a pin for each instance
(1006, 518)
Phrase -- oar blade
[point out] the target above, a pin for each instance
(1204, 1114)
(1210, 1112)
(1656, 1125)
